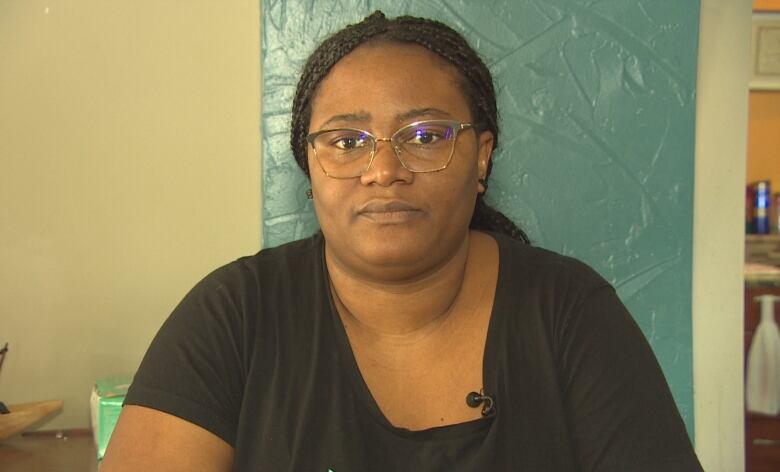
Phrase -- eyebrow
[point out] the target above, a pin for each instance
(421, 112)
(358, 117)
(363, 116)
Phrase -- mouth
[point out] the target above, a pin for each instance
(389, 211)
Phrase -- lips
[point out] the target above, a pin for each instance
(389, 211)
(386, 206)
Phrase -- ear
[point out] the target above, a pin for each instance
(484, 154)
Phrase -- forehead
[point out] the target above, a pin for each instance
(386, 80)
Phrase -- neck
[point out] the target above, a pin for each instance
(399, 308)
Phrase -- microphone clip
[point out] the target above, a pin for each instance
(474, 399)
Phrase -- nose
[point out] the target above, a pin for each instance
(385, 168)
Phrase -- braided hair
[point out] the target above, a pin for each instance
(476, 84)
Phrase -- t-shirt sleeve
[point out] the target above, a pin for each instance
(623, 416)
(193, 368)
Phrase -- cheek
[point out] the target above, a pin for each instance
(453, 201)
(465, 175)
(311, 161)
(329, 196)
(462, 188)
(317, 179)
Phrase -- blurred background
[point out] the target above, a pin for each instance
(129, 169)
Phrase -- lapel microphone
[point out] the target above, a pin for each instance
(474, 399)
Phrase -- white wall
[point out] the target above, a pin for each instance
(718, 232)
(129, 168)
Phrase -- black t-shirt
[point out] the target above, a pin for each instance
(257, 354)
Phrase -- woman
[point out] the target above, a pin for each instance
(418, 330)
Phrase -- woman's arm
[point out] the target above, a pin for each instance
(622, 414)
(181, 410)
(147, 439)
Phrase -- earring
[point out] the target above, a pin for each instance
(309, 195)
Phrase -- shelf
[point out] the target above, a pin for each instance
(763, 238)
(763, 249)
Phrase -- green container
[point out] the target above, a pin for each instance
(106, 400)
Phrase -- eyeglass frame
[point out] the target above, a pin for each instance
(456, 125)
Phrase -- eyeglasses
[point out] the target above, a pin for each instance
(422, 146)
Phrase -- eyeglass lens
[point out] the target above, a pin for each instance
(422, 147)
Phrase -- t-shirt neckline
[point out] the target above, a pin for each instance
(489, 360)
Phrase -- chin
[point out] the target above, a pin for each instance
(405, 257)
(395, 253)
(404, 249)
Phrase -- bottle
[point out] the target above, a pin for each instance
(749, 199)
(762, 390)
(761, 207)
(776, 213)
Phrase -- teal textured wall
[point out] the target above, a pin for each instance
(596, 157)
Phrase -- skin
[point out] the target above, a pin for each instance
(407, 284)
(147, 439)
(414, 287)
(362, 91)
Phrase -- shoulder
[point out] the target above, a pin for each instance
(238, 293)
(544, 294)
(276, 264)
(538, 267)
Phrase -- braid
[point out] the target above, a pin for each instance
(476, 84)
(317, 67)
(488, 218)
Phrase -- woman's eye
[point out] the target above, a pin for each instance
(345, 142)
(427, 136)
(349, 142)
(424, 137)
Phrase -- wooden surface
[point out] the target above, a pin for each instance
(24, 415)
(49, 452)
(763, 443)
